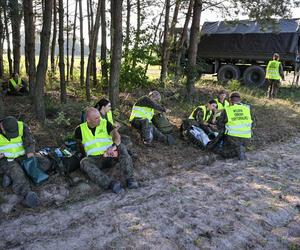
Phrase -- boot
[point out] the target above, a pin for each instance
(116, 187)
(170, 140)
(6, 181)
(241, 153)
(31, 200)
(132, 183)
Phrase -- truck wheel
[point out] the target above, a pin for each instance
(254, 76)
(228, 72)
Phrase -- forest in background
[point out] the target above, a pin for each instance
(131, 35)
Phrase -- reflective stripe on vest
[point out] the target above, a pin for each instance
(221, 106)
(98, 143)
(141, 112)
(16, 84)
(110, 117)
(239, 122)
(272, 71)
(204, 109)
(13, 148)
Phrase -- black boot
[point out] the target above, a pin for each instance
(116, 187)
(241, 153)
(132, 183)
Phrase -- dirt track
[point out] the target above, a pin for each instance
(224, 205)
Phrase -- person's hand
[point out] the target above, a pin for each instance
(117, 125)
(29, 155)
(110, 151)
(2, 155)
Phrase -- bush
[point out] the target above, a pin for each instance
(234, 85)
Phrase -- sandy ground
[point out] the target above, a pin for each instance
(190, 204)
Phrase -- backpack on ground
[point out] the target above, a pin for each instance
(162, 123)
(64, 165)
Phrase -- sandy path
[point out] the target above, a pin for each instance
(225, 205)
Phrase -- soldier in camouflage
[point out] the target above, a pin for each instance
(17, 144)
(101, 143)
(235, 126)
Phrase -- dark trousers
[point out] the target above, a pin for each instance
(273, 86)
(93, 166)
(148, 131)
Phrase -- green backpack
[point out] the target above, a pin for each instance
(162, 123)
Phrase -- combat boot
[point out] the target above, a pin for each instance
(31, 200)
(6, 181)
(241, 153)
(132, 183)
(116, 187)
(170, 140)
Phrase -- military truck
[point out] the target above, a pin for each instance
(241, 50)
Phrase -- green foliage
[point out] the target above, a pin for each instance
(62, 119)
(50, 106)
(131, 78)
(234, 85)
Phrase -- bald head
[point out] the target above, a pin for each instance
(92, 117)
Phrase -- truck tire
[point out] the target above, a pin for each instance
(254, 76)
(228, 72)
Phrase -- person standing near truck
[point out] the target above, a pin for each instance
(274, 73)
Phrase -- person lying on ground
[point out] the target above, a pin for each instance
(141, 119)
(101, 143)
(17, 144)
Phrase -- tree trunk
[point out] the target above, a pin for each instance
(180, 50)
(127, 37)
(30, 43)
(171, 33)
(1, 48)
(104, 68)
(93, 45)
(81, 45)
(164, 62)
(94, 63)
(115, 65)
(154, 39)
(74, 40)
(138, 32)
(7, 39)
(63, 91)
(192, 72)
(68, 35)
(15, 18)
(54, 36)
(43, 62)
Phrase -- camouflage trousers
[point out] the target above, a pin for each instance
(148, 131)
(93, 165)
(13, 169)
(230, 146)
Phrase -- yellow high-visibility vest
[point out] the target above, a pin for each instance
(95, 144)
(221, 106)
(204, 109)
(272, 71)
(141, 112)
(110, 117)
(239, 122)
(13, 148)
(16, 84)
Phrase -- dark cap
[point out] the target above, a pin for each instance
(235, 95)
(212, 101)
(10, 125)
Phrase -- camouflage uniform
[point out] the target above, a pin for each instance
(93, 165)
(13, 169)
(225, 145)
(147, 130)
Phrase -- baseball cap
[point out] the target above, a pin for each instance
(10, 125)
(235, 94)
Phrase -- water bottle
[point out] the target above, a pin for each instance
(58, 152)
